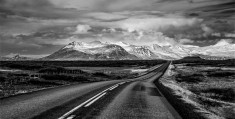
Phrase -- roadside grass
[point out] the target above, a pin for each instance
(194, 78)
(209, 92)
(178, 98)
(224, 94)
(68, 78)
(221, 74)
(12, 83)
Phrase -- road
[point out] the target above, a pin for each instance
(135, 98)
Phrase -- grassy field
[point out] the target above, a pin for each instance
(15, 76)
(208, 90)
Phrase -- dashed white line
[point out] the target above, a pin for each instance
(89, 101)
(95, 100)
(121, 83)
(71, 117)
(110, 88)
(114, 87)
(74, 109)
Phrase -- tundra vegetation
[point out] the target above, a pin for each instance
(205, 88)
(18, 77)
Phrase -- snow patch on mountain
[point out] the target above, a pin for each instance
(223, 42)
(121, 50)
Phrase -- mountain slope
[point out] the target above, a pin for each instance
(141, 52)
(221, 49)
(91, 51)
(97, 50)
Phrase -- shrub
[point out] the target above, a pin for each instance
(42, 83)
(77, 78)
(226, 94)
(195, 78)
(221, 74)
(208, 103)
(99, 74)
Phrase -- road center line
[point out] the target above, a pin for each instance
(71, 111)
(74, 109)
(71, 117)
(113, 87)
(95, 100)
(121, 83)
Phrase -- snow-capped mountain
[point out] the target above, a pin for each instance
(141, 52)
(165, 52)
(91, 51)
(222, 49)
(97, 50)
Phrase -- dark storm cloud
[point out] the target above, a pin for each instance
(35, 8)
(43, 26)
(203, 33)
(223, 10)
(217, 7)
(26, 16)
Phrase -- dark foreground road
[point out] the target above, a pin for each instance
(135, 98)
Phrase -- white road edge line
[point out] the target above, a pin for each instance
(74, 109)
(71, 117)
(95, 100)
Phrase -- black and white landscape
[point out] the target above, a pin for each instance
(117, 59)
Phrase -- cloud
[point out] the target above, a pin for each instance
(49, 24)
(156, 23)
(129, 4)
(81, 29)
(207, 30)
(230, 35)
(42, 9)
(18, 42)
(106, 16)
(216, 34)
(138, 5)
(104, 5)
(143, 22)
(185, 41)
(148, 38)
(14, 24)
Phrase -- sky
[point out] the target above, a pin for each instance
(41, 27)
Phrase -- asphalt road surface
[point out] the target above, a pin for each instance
(135, 98)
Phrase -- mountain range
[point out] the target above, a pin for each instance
(91, 51)
(97, 50)
(16, 57)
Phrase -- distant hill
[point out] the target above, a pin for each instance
(97, 50)
(15, 58)
(93, 51)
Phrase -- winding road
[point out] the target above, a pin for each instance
(135, 98)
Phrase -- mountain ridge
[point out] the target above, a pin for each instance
(86, 51)
(97, 50)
